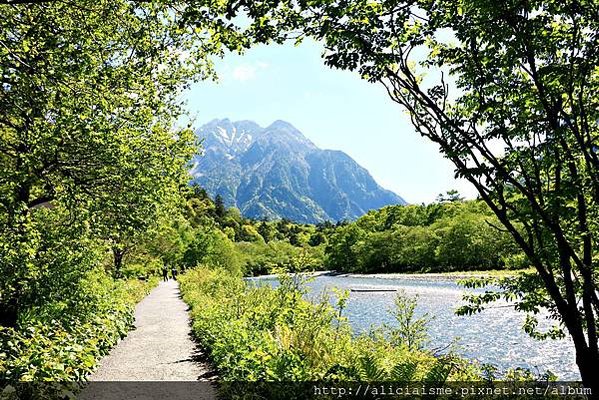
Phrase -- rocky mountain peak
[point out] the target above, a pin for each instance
(277, 172)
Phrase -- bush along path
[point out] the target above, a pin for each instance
(256, 333)
(160, 348)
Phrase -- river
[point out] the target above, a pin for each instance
(494, 336)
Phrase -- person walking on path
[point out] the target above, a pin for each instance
(174, 272)
(164, 272)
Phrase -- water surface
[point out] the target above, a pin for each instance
(494, 336)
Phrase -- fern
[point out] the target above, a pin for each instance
(438, 374)
(370, 371)
(403, 372)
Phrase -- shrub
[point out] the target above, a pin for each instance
(257, 333)
(63, 340)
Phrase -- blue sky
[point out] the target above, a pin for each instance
(335, 109)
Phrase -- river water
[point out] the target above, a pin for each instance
(494, 336)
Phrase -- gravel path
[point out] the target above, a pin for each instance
(160, 348)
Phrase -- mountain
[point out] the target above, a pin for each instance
(277, 172)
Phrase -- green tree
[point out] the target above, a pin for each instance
(374, 252)
(199, 212)
(451, 196)
(295, 237)
(415, 248)
(468, 241)
(283, 227)
(508, 91)
(316, 239)
(89, 95)
(250, 234)
(219, 207)
(341, 252)
(213, 248)
(267, 231)
(168, 240)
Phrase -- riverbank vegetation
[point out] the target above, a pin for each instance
(255, 333)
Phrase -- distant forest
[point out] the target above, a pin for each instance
(450, 234)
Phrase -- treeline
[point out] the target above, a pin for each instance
(448, 235)
(205, 232)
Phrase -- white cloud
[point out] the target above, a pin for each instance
(247, 72)
(244, 73)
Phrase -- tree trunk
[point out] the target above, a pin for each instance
(588, 364)
(9, 307)
(118, 261)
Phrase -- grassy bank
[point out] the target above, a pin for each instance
(63, 340)
(266, 334)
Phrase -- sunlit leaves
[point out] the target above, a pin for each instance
(89, 104)
(517, 116)
(255, 333)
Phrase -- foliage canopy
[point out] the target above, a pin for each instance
(508, 91)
